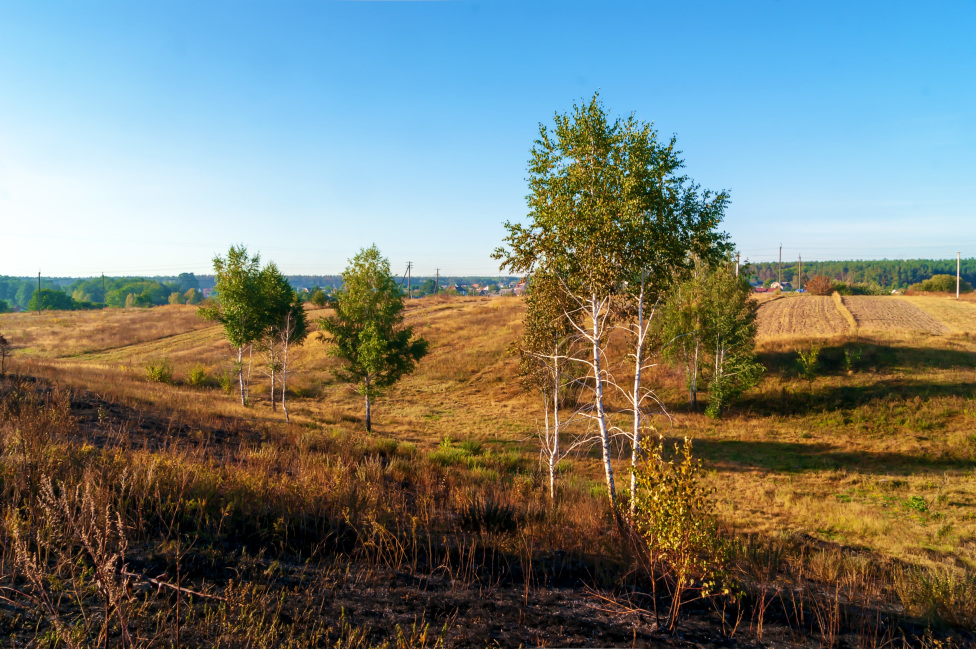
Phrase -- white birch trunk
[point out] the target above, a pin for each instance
(284, 363)
(554, 450)
(636, 398)
(598, 399)
(240, 373)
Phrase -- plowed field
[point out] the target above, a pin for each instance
(882, 313)
(806, 315)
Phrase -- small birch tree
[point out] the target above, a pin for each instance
(238, 307)
(367, 331)
(605, 206)
(708, 328)
(285, 324)
(544, 353)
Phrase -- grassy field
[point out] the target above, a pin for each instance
(862, 473)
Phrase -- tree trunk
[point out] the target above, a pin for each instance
(636, 397)
(369, 423)
(273, 409)
(554, 454)
(598, 402)
(284, 364)
(247, 383)
(240, 373)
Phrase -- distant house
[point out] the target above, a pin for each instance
(206, 292)
(506, 291)
(780, 286)
(519, 288)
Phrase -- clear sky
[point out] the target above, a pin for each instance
(144, 137)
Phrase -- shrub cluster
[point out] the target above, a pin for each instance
(941, 284)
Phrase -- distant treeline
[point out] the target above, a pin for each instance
(69, 293)
(96, 292)
(886, 273)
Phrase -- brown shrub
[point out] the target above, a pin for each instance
(820, 285)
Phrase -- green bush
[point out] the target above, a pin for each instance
(808, 361)
(159, 370)
(198, 375)
(859, 288)
(675, 515)
(942, 284)
(226, 381)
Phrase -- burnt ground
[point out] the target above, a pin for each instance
(565, 603)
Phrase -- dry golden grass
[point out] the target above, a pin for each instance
(841, 458)
(958, 315)
(800, 315)
(59, 334)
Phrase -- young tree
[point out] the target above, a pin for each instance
(367, 331)
(708, 328)
(318, 297)
(292, 330)
(607, 207)
(285, 323)
(238, 306)
(731, 338)
(192, 296)
(544, 353)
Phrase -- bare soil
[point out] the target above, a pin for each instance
(806, 316)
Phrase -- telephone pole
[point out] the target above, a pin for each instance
(958, 269)
(409, 267)
(736, 264)
(799, 272)
(38, 292)
(103, 288)
(437, 282)
(780, 267)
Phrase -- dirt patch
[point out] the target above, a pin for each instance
(808, 315)
(890, 314)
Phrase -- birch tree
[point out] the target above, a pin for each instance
(285, 324)
(367, 331)
(544, 351)
(238, 307)
(708, 329)
(606, 205)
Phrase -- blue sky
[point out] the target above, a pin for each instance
(144, 137)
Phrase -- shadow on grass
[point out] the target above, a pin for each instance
(823, 399)
(871, 356)
(792, 457)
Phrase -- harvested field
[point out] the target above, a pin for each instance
(806, 315)
(61, 334)
(960, 316)
(892, 314)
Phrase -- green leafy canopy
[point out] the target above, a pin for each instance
(367, 330)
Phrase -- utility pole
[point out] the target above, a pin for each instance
(437, 282)
(799, 272)
(103, 288)
(38, 292)
(736, 264)
(958, 269)
(780, 267)
(409, 267)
